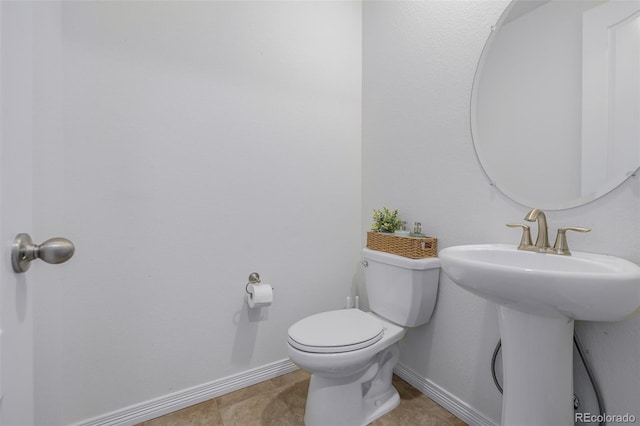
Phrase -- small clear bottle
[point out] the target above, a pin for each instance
(402, 231)
(417, 230)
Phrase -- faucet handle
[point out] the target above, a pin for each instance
(526, 234)
(561, 246)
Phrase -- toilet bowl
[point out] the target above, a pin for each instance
(351, 354)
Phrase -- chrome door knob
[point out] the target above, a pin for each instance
(54, 250)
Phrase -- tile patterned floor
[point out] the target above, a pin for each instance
(281, 402)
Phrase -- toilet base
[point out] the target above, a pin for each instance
(384, 407)
(355, 400)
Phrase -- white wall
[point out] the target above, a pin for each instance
(191, 143)
(419, 60)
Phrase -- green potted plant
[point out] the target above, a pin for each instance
(385, 220)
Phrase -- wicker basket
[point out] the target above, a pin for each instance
(412, 247)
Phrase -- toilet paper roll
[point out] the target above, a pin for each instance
(259, 295)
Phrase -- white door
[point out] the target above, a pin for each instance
(26, 119)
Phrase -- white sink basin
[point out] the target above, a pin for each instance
(539, 296)
(583, 286)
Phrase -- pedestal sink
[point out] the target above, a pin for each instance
(539, 296)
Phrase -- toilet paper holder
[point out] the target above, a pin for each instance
(254, 278)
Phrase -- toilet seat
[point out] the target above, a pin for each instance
(338, 331)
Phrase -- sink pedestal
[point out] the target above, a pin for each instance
(537, 357)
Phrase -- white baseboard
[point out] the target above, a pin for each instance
(157, 407)
(169, 403)
(451, 403)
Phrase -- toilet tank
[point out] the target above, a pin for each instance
(400, 289)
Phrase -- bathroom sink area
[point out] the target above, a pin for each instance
(583, 286)
(538, 296)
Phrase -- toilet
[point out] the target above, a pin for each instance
(351, 353)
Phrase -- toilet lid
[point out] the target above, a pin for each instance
(335, 331)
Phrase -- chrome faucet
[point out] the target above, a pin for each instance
(542, 241)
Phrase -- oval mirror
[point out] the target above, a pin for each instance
(555, 107)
